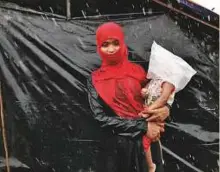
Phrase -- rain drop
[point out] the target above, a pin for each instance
(178, 106)
(16, 45)
(22, 66)
(143, 9)
(177, 166)
(70, 127)
(133, 6)
(42, 17)
(150, 11)
(51, 9)
(46, 17)
(40, 8)
(209, 18)
(54, 21)
(83, 13)
(6, 55)
(81, 42)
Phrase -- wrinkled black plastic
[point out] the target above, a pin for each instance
(44, 63)
(121, 141)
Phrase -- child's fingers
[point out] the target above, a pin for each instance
(161, 124)
(140, 114)
(151, 111)
(152, 118)
(162, 130)
(152, 107)
(144, 115)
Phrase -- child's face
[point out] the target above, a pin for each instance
(110, 46)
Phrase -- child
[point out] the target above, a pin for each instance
(156, 94)
(168, 74)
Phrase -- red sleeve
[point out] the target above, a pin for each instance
(142, 75)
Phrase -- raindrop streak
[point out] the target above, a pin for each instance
(40, 8)
(22, 66)
(177, 166)
(83, 13)
(150, 11)
(42, 17)
(143, 9)
(209, 18)
(81, 42)
(51, 9)
(54, 21)
(6, 55)
(16, 45)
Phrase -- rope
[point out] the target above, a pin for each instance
(4, 132)
(181, 159)
(183, 13)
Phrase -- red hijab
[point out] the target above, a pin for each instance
(118, 84)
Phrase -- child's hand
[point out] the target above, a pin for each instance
(144, 92)
(159, 114)
(144, 113)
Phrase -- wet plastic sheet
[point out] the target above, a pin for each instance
(44, 63)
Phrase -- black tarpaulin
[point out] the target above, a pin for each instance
(44, 63)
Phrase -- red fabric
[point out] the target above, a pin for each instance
(118, 81)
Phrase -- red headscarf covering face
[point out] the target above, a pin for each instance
(119, 85)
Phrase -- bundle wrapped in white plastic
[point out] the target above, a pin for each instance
(168, 67)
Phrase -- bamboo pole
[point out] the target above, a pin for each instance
(4, 132)
(68, 9)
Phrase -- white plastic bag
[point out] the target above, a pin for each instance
(169, 67)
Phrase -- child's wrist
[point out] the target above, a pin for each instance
(168, 105)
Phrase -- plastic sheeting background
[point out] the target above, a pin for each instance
(44, 63)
